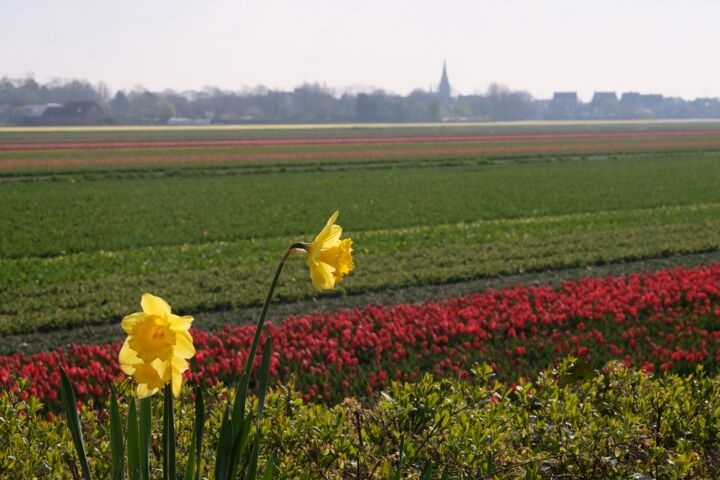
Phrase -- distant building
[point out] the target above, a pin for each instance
(36, 111)
(604, 105)
(444, 91)
(31, 114)
(564, 105)
(653, 101)
(630, 99)
(637, 105)
(73, 113)
(565, 98)
(600, 98)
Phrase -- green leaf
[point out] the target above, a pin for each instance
(239, 447)
(133, 443)
(251, 473)
(145, 436)
(224, 446)
(195, 453)
(73, 422)
(117, 450)
(169, 465)
(426, 471)
(270, 468)
(238, 410)
(578, 371)
(264, 378)
(190, 467)
(199, 428)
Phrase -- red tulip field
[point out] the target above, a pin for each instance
(663, 321)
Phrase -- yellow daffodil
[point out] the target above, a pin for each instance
(329, 258)
(158, 345)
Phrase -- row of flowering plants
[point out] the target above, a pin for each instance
(661, 321)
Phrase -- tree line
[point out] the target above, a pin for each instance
(310, 103)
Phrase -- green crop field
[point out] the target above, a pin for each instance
(78, 249)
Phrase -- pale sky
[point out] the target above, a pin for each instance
(650, 46)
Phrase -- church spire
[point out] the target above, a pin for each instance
(444, 87)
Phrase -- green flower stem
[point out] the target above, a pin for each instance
(169, 459)
(263, 314)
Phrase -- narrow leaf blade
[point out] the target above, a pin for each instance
(145, 436)
(169, 465)
(427, 471)
(270, 468)
(251, 473)
(117, 453)
(73, 422)
(199, 428)
(133, 443)
(224, 446)
(264, 378)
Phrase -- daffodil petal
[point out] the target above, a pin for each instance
(176, 384)
(180, 365)
(128, 323)
(153, 305)
(183, 345)
(180, 323)
(127, 355)
(321, 275)
(329, 236)
(333, 218)
(160, 367)
(143, 391)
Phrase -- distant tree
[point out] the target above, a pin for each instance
(63, 91)
(366, 108)
(508, 105)
(164, 110)
(103, 92)
(120, 106)
(142, 105)
(313, 103)
(183, 107)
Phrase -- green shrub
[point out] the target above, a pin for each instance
(567, 423)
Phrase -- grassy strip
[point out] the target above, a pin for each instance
(229, 276)
(57, 218)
